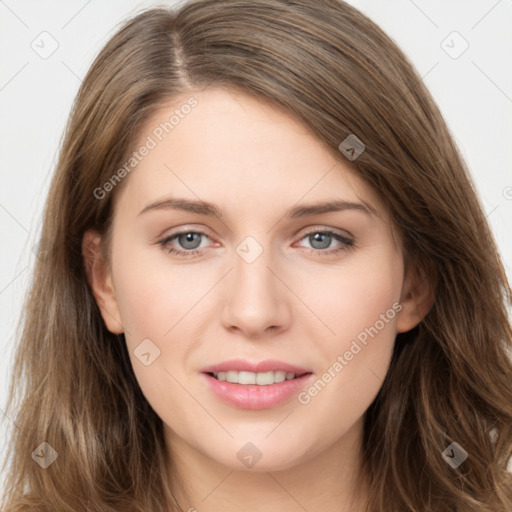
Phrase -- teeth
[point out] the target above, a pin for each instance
(261, 379)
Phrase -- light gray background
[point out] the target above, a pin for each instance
(474, 92)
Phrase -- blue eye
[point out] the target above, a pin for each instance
(191, 240)
(324, 239)
(187, 238)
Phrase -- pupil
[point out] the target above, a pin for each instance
(324, 244)
(189, 238)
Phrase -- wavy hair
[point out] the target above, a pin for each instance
(450, 377)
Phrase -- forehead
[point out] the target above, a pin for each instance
(234, 148)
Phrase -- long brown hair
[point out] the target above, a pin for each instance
(450, 377)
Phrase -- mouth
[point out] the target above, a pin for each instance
(249, 390)
(252, 378)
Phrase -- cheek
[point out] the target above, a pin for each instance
(354, 296)
(163, 302)
(155, 307)
(359, 305)
(153, 295)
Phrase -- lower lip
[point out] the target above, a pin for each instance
(251, 396)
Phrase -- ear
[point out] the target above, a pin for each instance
(417, 299)
(99, 277)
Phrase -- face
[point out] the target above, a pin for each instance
(316, 295)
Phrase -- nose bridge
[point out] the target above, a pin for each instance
(251, 274)
(255, 300)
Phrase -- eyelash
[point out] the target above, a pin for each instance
(347, 243)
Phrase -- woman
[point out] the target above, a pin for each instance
(338, 339)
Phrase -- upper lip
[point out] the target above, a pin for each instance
(268, 365)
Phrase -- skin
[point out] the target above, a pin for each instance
(293, 303)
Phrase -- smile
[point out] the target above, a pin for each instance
(246, 393)
(259, 379)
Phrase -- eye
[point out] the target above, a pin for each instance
(321, 240)
(189, 240)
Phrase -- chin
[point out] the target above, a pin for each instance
(254, 457)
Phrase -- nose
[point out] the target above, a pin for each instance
(256, 302)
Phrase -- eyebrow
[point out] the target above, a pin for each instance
(209, 209)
